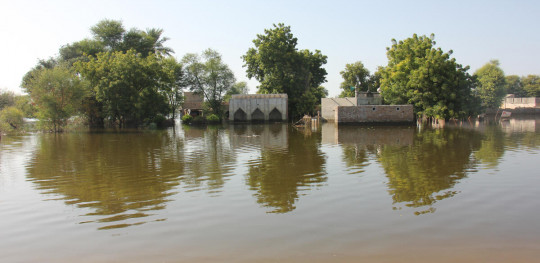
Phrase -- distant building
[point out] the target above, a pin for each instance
(530, 105)
(365, 107)
(193, 104)
(258, 107)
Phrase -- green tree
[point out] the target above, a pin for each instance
(209, 76)
(57, 93)
(7, 99)
(426, 77)
(25, 104)
(491, 84)
(128, 86)
(238, 88)
(354, 76)
(514, 86)
(172, 83)
(531, 85)
(280, 67)
(11, 119)
(110, 33)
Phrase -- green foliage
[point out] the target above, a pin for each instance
(127, 85)
(491, 84)
(24, 103)
(11, 119)
(354, 76)
(419, 74)
(209, 76)
(238, 88)
(280, 67)
(7, 99)
(57, 94)
(514, 86)
(186, 119)
(531, 85)
(212, 118)
(171, 83)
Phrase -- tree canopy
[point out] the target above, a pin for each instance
(280, 67)
(210, 76)
(128, 75)
(491, 84)
(426, 77)
(355, 76)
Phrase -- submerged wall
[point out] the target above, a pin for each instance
(375, 114)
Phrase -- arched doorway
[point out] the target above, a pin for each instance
(275, 115)
(257, 115)
(240, 115)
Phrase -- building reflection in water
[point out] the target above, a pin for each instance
(209, 158)
(290, 161)
(422, 166)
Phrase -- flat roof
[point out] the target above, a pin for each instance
(258, 96)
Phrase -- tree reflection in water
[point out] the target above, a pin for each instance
(209, 159)
(281, 173)
(119, 177)
(426, 171)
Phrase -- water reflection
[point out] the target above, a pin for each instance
(426, 171)
(209, 158)
(123, 179)
(422, 166)
(286, 167)
(119, 178)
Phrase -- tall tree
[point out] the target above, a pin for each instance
(491, 84)
(238, 88)
(426, 77)
(514, 86)
(280, 67)
(355, 76)
(109, 32)
(172, 83)
(531, 85)
(127, 85)
(210, 76)
(57, 93)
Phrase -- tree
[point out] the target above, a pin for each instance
(514, 86)
(57, 93)
(426, 77)
(25, 104)
(209, 76)
(172, 83)
(491, 84)
(531, 85)
(11, 119)
(128, 85)
(238, 88)
(280, 67)
(110, 33)
(7, 99)
(354, 76)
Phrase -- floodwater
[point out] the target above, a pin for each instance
(274, 193)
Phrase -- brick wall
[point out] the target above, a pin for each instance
(375, 114)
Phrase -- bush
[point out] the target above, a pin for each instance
(212, 118)
(11, 119)
(186, 119)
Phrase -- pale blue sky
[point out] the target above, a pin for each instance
(345, 31)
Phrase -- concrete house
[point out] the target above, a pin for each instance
(365, 107)
(258, 107)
